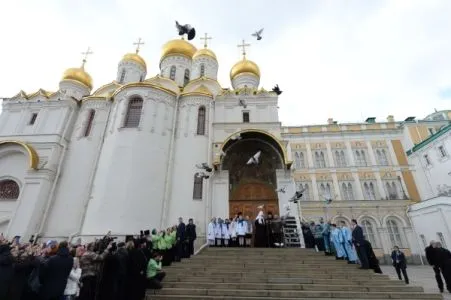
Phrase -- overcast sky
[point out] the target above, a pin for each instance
(343, 59)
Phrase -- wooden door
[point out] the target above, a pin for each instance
(249, 196)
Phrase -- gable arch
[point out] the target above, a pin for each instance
(373, 219)
(33, 158)
(338, 217)
(394, 216)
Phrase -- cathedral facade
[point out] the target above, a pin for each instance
(127, 156)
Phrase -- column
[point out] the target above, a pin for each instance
(309, 156)
(391, 155)
(350, 155)
(357, 187)
(220, 195)
(330, 156)
(403, 192)
(315, 188)
(384, 240)
(380, 185)
(336, 187)
(371, 154)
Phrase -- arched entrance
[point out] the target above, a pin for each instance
(253, 185)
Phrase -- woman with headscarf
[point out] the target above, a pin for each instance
(261, 238)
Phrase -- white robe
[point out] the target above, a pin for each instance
(218, 231)
(211, 231)
(232, 229)
(241, 228)
(225, 232)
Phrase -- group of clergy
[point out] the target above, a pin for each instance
(239, 231)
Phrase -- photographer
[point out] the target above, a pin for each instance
(154, 273)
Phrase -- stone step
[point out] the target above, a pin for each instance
(281, 294)
(292, 286)
(245, 276)
(281, 272)
(189, 297)
(255, 260)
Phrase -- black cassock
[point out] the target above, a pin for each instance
(136, 274)
(261, 237)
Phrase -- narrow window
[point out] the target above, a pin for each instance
(427, 160)
(172, 73)
(431, 131)
(121, 80)
(201, 121)
(33, 119)
(90, 119)
(306, 194)
(297, 160)
(133, 116)
(9, 190)
(368, 232)
(442, 239)
(423, 240)
(364, 163)
(202, 70)
(350, 192)
(442, 151)
(198, 185)
(393, 233)
(245, 117)
(186, 77)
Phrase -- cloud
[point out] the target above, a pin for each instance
(343, 59)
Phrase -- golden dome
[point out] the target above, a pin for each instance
(135, 58)
(180, 47)
(79, 75)
(206, 52)
(244, 66)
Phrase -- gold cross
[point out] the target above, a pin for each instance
(85, 55)
(244, 45)
(206, 38)
(138, 44)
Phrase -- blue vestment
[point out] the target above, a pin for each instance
(337, 240)
(347, 244)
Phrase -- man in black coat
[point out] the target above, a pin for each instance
(180, 236)
(399, 262)
(54, 273)
(191, 236)
(6, 270)
(431, 256)
(444, 262)
(359, 242)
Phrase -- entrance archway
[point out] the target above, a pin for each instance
(253, 185)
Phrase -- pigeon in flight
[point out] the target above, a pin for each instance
(202, 175)
(258, 34)
(277, 90)
(281, 190)
(205, 167)
(242, 103)
(297, 195)
(327, 198)
(186, 29)
(260, 206)
(254, 160)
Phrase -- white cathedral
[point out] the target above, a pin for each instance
(77, 163)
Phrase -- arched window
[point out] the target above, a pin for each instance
(134, 109)
(186, 77)
(297, 160)
(350, 192)
(202, 70)
(382, 157)
(201, 121)
(320, 161)
(89, 121)
(306, 194)
(340, 158)
(347, 191)
(325, 190)
(393, 233)
(198, 185)
(122, 78)
(172, 73)
(9, 190)
(392, 190)
(368, 232)
(370, 193)
(364, 162)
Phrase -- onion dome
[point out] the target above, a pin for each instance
(244, 66)
(205, 52)
(79, 75)
(135, 57)
(178, 47)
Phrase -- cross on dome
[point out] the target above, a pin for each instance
(85, 56)
(138, 44)
(243, 45)
(206, 38)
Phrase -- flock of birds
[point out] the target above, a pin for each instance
(190, 32)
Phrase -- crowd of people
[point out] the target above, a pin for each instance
(263, 232)
(103, 269)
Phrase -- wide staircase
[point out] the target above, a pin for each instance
(289, 273)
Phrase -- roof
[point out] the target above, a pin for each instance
(430, 139)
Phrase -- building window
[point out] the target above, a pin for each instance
(442, 239)
(245, 117)
(320, 160)
(393, 233)
(325, 190)
(368, 232)
(198, 185)
(202, 70)
(442, 152)
(33, 119)
(201, 121)
(306, 188)
(172, 73)
(9, 190)
(89, 121)
(392, 190)
(369, 191)
(340, 158)
(360, 157)
(427, 160)
(347, 191)
(186, 77)
(382, 157)
(431, 131)
(423, 240)
(121, 80)
(133, 116)
(299, 160)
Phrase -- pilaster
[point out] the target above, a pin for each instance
(357, 187)
(336, 187)
(309, 156)
(330, 156)
(315, 188)
(373, 160)
(220, 204)
(350, 154)
(380, 185)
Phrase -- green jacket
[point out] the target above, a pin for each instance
(156, 240)
(153, 267)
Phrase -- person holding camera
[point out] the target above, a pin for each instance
(155, 275)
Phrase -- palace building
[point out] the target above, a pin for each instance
(78, 162)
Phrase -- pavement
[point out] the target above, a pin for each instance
(419, 276)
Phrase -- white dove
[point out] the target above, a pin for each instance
(254, 159)
(258, 34)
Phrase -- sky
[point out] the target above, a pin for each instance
(346, 60)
